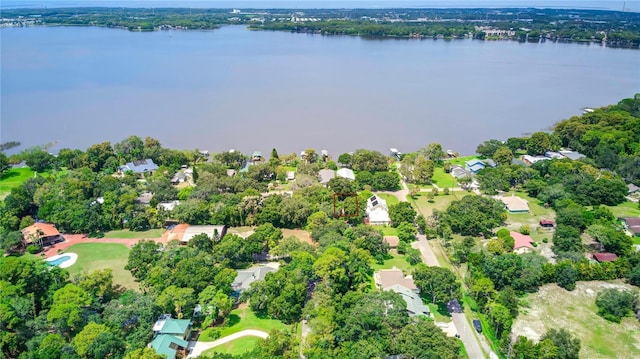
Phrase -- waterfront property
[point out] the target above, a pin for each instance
(474, 166)
(377, 211)
(140, 167)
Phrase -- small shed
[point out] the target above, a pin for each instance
(546, 223)
(605, 257)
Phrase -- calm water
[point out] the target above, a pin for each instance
(234, 88)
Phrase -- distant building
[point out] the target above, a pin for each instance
(459, 172)
(605, 257)
(396, 154)
(529, 160)
(633, 225)
(140, 167)
(346, 173)
(491, 163)
(168, 206)
(474, 166)
(178, 178)
(256, 156)
(326, 175)
(184, 232)
(633, 188)
(43, 234)
(377, 211)
(521, 243)
(291, 175)
(572, 155)
(144, 198)
(515, 204)
(546, 223)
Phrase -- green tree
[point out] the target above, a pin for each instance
(473, 215)
(371, 161)
(39, 160)
(538, 143)
(345, 159)
(438, 284)
(406, 232)
(614, 304)
(433, 152)
(51, 346)
(503, 156)
(67, 308)
(142, 258)
(87, 337)
(422, 339)
(98, 284)
(401, 212)
(143, 353)
(4, 163)
(423, 170)
(566, 275)
(176, 300)
(568, 345)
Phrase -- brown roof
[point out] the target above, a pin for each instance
(39, 230)
(520, 240)
(388, 277)
(605, 257)
(177, 232)
(393, 241)
(633, 223)
(546, 222)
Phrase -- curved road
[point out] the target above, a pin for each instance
(200, 347)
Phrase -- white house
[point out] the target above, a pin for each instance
(346, 173)
(377, 211)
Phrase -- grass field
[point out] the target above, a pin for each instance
(241, 319)
(96, 256)
(14, 178)
(235, 347)
(387, 230)
(554, 307)
(461, 160)
(391, 199)
(397, 260)
(125, 233)
(625, 209)
(440, 202)
(442, 179)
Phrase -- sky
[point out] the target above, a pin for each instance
(631, 5)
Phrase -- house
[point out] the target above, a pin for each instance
(256, 156)
(178, 178)
(385, 278)
(529, 160)
(515, 161)
(346, 173)
(231, 173)
(515, 204)
(392, 241)
(377, 211)
(572, 155)
(144, 198)
(168, 206)
(326, 175)
(491, 163)
(140, 167)
(170, 336)
(291, 175)
(415, 306)
(474, 166)
(184, 232)
(394, 280)
(632, 225)
(244, 167)
(204, 153)
(459, 172)
(247, 276)
(633, 188)
(324, 154)
(554, 155)
(605, 257)
(546, 223)
(396, 154)
(521, 243)
(43, 234)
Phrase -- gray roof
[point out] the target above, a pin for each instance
(459, 172)
(326, 175)
(247, 276)
(140, 166)
(572, 155)
(415, 306)
(516, 161)
(633, 188)
(491, 163)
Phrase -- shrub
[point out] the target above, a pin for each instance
(535, 244)
(545, 240)
(445, 191)
(525, 229)
(503, 232)
(435, 191)
(33, 248)
(413, 256)
(614, 304)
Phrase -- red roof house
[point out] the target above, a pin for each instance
(521, 243)
(605, 257)
(41, 233)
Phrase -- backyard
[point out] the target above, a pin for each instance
(625, 209)
(14, 178)
(240, 319)
(396, 260)
(554, 307)
(235, 347)
(442, 179)
(125, 233)
(97, 256)
(440, 202)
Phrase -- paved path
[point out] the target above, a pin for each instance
(428, 257)
(71, 239)
(200, 347)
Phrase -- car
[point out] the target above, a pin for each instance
(478, 325)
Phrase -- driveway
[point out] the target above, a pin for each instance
(200, 347)
(467, 335)
(424, 247)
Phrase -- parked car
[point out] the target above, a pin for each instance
(477, 325)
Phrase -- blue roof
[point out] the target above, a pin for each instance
(162, 345)
(140, 166)
(474, 162)
(476, 167)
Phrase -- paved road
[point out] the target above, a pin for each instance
(425, 249)
(202, 346)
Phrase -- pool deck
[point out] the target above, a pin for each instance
(68, 263)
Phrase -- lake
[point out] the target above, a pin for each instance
(253, 90)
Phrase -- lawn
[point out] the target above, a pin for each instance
(241, 319)
(14, 178)
(554, 307)
(390, 198)
(460, 161)
(96, 256)
(396, 260)
(442, 179)
(440, 313)
(235, 347)
(125, 233)
(387, 230)
(440, 202)
(625, 209)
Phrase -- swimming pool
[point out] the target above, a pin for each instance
(59, 260)
(63, 260)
